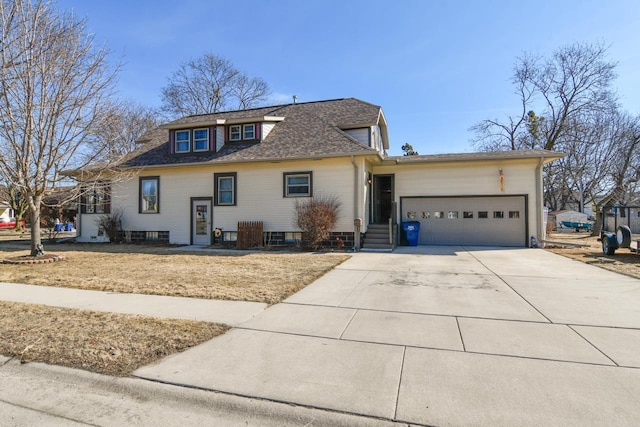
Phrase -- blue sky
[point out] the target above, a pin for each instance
(435, 67)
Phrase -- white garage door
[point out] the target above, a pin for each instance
(484, 221)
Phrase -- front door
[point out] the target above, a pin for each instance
(201, 222)
(382, 198)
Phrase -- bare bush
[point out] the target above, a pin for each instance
(111, 223)
(316, 217)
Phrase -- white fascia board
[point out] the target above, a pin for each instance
(220, 122)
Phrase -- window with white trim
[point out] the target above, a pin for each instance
(249, 131)
(183, 141)
(298, 184)
(235, 133)
(242, 132)
(201, 139)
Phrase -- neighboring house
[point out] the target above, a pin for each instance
(207, 172)
(5, 210)
(7, 219)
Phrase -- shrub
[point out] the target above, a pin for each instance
(315, 217)
(111, 223)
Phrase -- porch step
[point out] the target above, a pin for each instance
(377, 247)
(377, 238)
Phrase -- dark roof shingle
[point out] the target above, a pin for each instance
(309, 130)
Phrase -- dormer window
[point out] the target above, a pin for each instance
(249, 131)
(183, 141)
(234, 133)
(191, 140)
(201, 140)
(242, 132)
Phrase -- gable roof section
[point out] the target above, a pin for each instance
(302, 131)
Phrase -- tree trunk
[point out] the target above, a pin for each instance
(36, 239)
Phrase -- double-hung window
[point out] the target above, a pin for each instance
(249, 131)
(298, 184)
(201, 140)
(225, 185)
(235, 133)
(149, 194)
(183, 141)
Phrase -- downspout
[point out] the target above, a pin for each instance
(357, 222)
(539, 201)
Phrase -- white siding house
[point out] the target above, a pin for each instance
(205, 173)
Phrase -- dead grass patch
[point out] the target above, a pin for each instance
(624, 261)
(107, 343)
(239, 276)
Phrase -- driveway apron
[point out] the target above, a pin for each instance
(439, 335)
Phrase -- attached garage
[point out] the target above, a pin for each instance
(469, 220)
(473, 199)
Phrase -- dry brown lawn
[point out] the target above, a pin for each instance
(624, 261)
(107, 343)
(266, 277)
(117, 344)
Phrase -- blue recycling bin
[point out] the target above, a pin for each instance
(58, 227)
(68, 226)
(412, 231)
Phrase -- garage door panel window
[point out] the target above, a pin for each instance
(426, 215)
(452, 215)
(467, 215)
(498, 214)
(438, 214)
(514, 214)
(483, 214)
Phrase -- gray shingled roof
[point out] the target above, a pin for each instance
(309, 130)
(479, 156)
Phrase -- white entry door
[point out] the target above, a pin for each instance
(201, 222)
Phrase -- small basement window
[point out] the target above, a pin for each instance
(230, 236)
(292, 237)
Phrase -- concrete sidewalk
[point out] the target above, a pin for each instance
(434, 336)
(35, 394)
(227, 312)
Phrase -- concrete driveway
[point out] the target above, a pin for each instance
(440, 336)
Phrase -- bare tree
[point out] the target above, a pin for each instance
(55, 90)
(571, 91)
(575, 82)
(210, 84)
(125, 122)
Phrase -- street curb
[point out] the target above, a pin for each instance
(91, 398)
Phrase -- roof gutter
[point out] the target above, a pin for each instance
(356, 193)
(540, 201)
